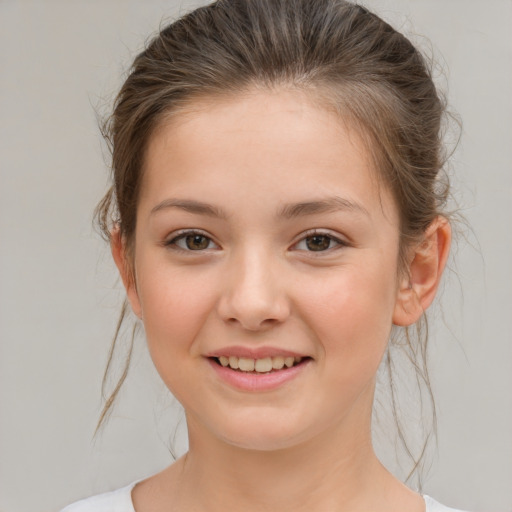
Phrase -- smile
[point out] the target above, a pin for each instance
(264, 365)
(258, 374)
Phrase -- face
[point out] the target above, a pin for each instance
(263, 240)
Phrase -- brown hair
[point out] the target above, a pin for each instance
(338, 52)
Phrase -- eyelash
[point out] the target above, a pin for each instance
(182, 235)
(315, 232)
(173, 243)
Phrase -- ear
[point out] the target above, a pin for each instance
(119, 253)
(419, 285)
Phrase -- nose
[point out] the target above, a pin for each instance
(253, 292)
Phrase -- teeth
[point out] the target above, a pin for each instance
(264, 365)
(246, 365)
(277, 362)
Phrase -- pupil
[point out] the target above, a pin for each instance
(318, 242)
(196, 242)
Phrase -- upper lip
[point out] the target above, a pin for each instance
(253, 353)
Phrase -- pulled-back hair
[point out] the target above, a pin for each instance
(339, 53)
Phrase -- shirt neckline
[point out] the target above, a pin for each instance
(129, 488)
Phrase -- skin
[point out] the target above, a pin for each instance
(307, 444)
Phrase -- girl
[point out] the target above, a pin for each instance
(276, 212)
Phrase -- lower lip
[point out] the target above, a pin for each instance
(249, 381)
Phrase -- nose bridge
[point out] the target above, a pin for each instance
(253, 294)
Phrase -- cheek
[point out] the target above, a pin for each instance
(175, 304)
(350, 310)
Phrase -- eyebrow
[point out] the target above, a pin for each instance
(327, 205)
(289, 211)
(190, 206)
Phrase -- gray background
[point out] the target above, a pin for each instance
(59, 60)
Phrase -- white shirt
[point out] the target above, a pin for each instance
(121, 501)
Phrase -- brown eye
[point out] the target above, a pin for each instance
(192, 241)
(197, 242)
(318, 242)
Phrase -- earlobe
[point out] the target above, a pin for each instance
(419, 286)
(119, 253)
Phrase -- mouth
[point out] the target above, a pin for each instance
(264, 365)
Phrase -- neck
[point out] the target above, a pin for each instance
(312, 476)
(336, 470)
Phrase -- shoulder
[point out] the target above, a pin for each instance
(434, 506)
(114, 501)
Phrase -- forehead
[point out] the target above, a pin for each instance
(265, 144)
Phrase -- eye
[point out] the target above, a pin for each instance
(319, 242)
(192, 241)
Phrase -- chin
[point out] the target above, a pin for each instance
(264, 434)
(261, 442)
